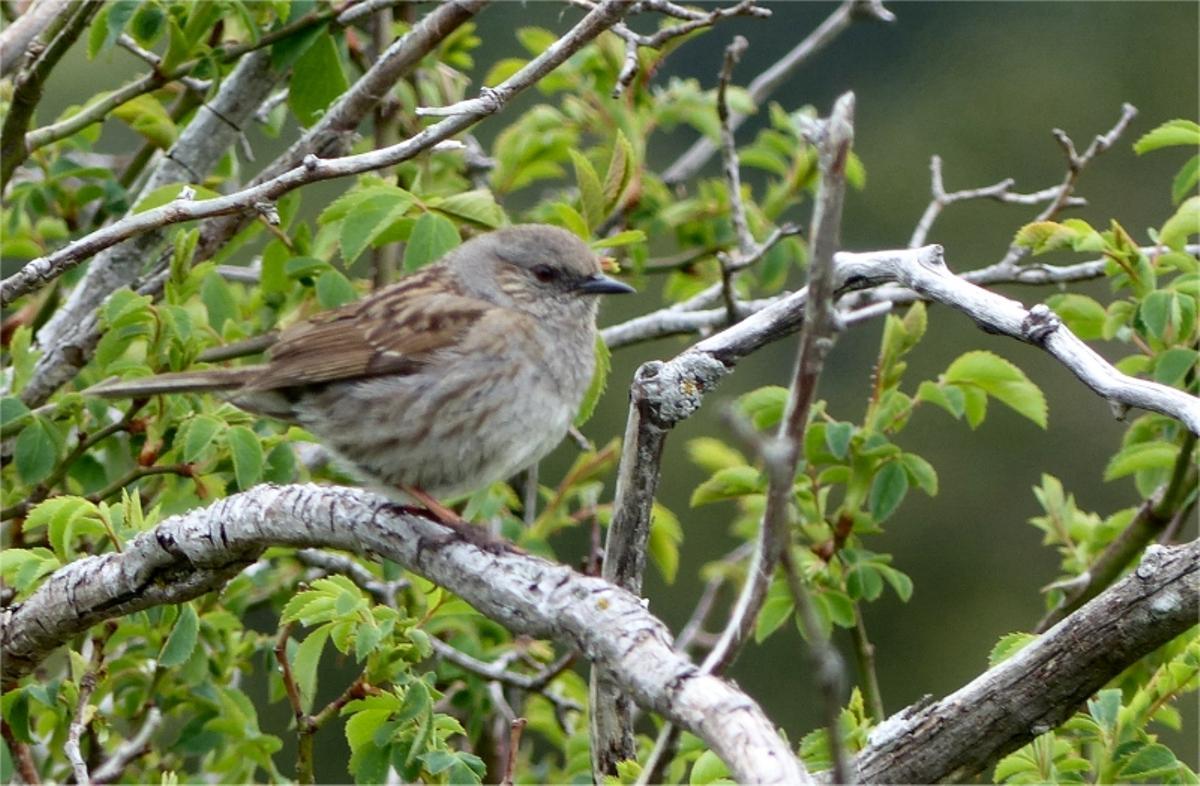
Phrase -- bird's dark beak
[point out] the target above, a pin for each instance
(601, 284)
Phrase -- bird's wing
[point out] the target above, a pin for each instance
(394, 331)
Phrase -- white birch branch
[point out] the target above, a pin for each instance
(17, 36)
(196, 552)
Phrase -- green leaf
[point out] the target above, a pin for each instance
(920, 472)
(707, 769)
(1182, 225)
(305, 662)
(36, 452)
(198, 433)
(164, 194)
(569, 218)
(20, 568)
(478, 207)
(776, 609)
(1169, 134)
(626, 238)
(246, 450)
(1140, 456)
(598, 383)
(666, 533)
(1151, 762)
(1104, 707)
(1186, 180)
(591, 194)
(864, 581)
(317, 80)
(837, 438)
(432, 236)
(148, 24)
(218, 300)
(887, 490)
(12, 409)
(119, 14)
(1008, 645)
(837, 607)
(1000, 379)
(620, 172)
(764, 406)
(149, 118)
(179, 645)
(1172, 366)
(728, 484)
(948, 398)
(369, 218)
(334, 289)
(1082, 314)
(713, 454)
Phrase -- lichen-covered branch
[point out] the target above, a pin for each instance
(190, 554)
(1042, 685)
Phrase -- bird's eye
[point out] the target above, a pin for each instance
(545, 273)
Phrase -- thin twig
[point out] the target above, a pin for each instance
(997, 191)
(815, 340)
(695, 157)
(514, 745)
(87, 684)
(127, 751)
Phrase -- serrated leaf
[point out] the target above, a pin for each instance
(727, 484)
(305, 662)
(1140, 456)
(334, 289)
(1182, 225)
(1001, 380)
(921, 472)
(1082, 314)
(35, 453)
(1152, 761)
(887, 490)
(1186, 180)
(598, 383)
(198, 433)
(620, 172)
(477, 206)
(369, 217)
(218, 300)
(1009, 645)
(591, 194)
(178, 647)
(432, 236)
(1171, 133)
(317, 80)
(246, 451)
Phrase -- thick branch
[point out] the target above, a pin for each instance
(1041, 686)
(17, 36)
(188, 555)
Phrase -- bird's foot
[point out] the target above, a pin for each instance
(477, 536)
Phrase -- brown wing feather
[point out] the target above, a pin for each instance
(392, 332)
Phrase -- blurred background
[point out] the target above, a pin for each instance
(980, 84)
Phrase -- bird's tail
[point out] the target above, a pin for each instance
(213, 380)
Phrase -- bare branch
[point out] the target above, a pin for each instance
(204, 548)
(79, 722)
(1041, 686)
(833, 150)
(127, 751)
(692, 160)
(997, 191)
(17, 36)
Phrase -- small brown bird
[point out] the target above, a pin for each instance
(456, 376)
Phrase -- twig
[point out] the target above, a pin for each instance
(864, 656)
(27, 90)
(829, 669)
(997, 191)
(126, 42)
(696, 156)
(815, 341)
(26, 766)
(498, 671)
(127, 751)
(87, 684)
(384, 592)
(1076, 163)
(733, 179)
(16, 38)
(514, 744)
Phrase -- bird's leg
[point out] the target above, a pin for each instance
(440, 511)
(468, 531)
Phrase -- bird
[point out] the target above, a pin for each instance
(458, 375)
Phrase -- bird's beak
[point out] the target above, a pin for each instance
(600, 284)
